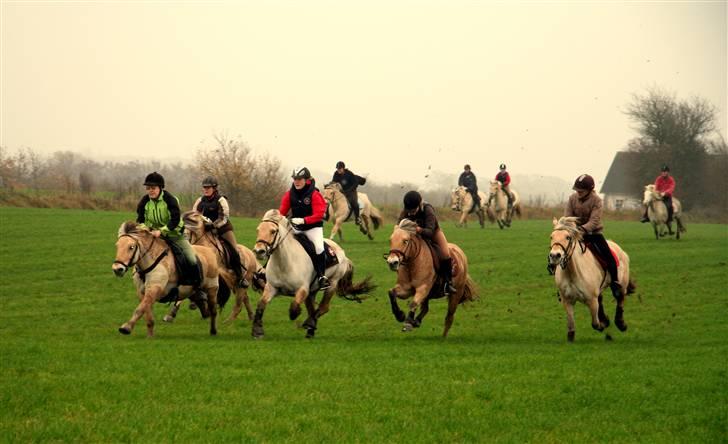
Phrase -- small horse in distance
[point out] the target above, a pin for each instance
(461, 200)
(580, 277)
(414, 261)
(498, 203)
(657, 212)
(155, 274)
(290, 272)
(197, 234)
(371, 218)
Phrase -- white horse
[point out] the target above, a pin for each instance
(371, 218)
(657, 212)
(461, 200)
(498, 203)
(290, 272)
(580, 277)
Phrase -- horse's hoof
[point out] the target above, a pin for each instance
(570, 336)
(407, 327)
(294, 312)
(168, 318)
(400, 317)
(257, 332)
(310, 333)
(213, 332)
(124, 330)
(608, 337)
(192, 306)
(621, 325)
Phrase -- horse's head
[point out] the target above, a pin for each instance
(194, 224)
(127, 247)
(650, 194)
(493, 187)
(563, 238)
(268, 233)
(456, 198)
(400, 242)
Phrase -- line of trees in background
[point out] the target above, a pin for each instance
(683, 135)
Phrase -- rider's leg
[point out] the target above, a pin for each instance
(236, 262)
(194, 271)
(316, 236)
(668, 204)
(353, 199)
(509, 196)
(644, 217)
(445, 260)
(598, 240)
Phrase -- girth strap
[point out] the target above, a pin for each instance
(143, 273)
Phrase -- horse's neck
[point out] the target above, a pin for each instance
(582, 263)
(153, 248)
(422, 261)
(286, 255)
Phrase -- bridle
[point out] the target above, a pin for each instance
(402, 254)
(568, 249)
(272, 246)
(137, 250)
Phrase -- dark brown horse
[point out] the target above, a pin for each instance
(411, 257)
(155, 274)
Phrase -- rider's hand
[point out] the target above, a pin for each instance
(297, 221)
(418, 230)
(156, 233)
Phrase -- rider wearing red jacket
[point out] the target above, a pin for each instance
(505, 179)
(665, 185)
(307, 207)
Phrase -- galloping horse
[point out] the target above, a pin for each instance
(290, 272)
(198, 235)
(413, 260)
(657, 212)
(498, 202)
(371, 218)
(155, 275)
(461, 200)
(580, 277)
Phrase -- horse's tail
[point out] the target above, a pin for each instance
(223, 292)
(470, 292)
(376, 217)
(631, 286)
(350, 291)
(517, 209)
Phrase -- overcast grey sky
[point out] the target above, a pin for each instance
(390, 87)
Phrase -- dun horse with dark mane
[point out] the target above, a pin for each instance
(371, 219)
(461, 200)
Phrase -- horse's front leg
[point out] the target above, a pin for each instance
(594, 310)
(212, 308)
(268, 292)
(310, 323)
(619, 315)
(570, 324)
(399, 292)
(424, 308)
(150, 295)
(295, 309)
(463, 220)
(421, 293)
(241, 298)
(169, 317)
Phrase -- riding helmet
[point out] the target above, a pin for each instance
(340, 164)
(301, 173)
(209, 181)
(154, 179)
(502, 166)
(665, 168)
(467, 166)
(412, 200)
(584, 182)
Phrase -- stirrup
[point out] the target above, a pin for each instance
(242, 283)
(449, 288)
(323, 283)
(616, 289)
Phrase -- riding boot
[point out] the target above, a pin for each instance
(446, 273)
(644, 217)
(357, 219)
(239, 270)
(320, 265)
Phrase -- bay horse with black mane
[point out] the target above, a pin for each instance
(155, 274)
(414, 261)
(580, 277)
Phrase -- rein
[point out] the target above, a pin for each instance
(568, 250)
(403, 254)
(273, 246)
(131, 261)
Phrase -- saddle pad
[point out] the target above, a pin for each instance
(591, 247)
(331, 258)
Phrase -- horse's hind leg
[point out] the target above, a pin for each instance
(594, 309)
(603, 318)
(619, 315)
(169, 317)
(424, 308)
(452, 305)
(295, 309)
(310, 323)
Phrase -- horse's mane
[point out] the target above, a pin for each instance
(272, 216)
(192, 220)
(333, 186)
(650, 187)
(130, 227)
(569, 224)
(408, 226)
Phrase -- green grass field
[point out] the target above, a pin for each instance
(505, 374)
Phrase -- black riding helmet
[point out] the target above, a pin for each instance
(340, 164)
(412, 200)
(154, 179)
(502, 166)
(665, 168)
(209, 181)
(301, 173)
(584, 182)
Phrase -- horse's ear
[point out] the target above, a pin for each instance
(555, 222)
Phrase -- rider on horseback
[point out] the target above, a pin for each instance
(214, 206)
(159, 211)
(505, 179)
(423, 214)
(349, 182)
(665, 185)
(467, 179)
(307, 207)
(587, 206)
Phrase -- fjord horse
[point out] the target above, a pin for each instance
(155, 274)
(290, 272)
(461, 200)
(580, 277)
(197, 234)
(657, 212)
(370, 216)
(498, 203)
(413, 260)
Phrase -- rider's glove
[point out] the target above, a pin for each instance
(297, 221)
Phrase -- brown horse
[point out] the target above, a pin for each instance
(461, 200)
(155, 274)
(414, 261)
(580, 277)
(371, 218)
(254, 273)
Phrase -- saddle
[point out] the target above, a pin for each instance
(329, 253)
(435, 253)
(601, 260)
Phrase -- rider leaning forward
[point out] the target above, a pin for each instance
(307, 207)
(215, 208)
(423, 214)
(587, 206)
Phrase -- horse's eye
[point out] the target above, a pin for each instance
(568, 238)
(406, 241)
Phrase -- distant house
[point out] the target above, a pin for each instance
(620, 189)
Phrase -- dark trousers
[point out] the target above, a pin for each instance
(353, 199)
(602, 248)
(668, 203)
(476, 198)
